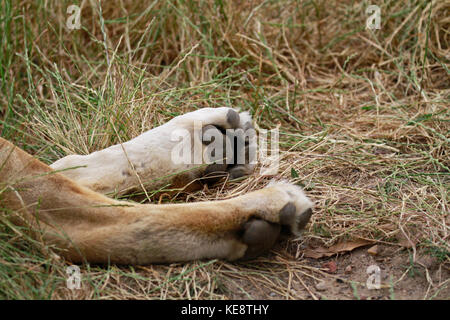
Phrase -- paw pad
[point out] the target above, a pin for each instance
(259, 236)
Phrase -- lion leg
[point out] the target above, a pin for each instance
(87, 226)
(147, 161)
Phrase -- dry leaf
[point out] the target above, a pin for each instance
(321, 252)
(373, 250)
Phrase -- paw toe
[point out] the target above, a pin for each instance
(295, 219)
(233, 118)
(303, 218)
(213, 173)
(238, 171)
(287, 214)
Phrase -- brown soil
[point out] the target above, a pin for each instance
(401, 279)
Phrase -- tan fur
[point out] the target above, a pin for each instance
(88, 226)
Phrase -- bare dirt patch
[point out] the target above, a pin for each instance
(346, 277)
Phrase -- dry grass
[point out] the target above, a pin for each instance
(363, 116)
